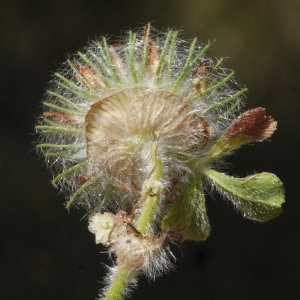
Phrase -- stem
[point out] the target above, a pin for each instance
(152, 202)
(119, 284)
(123, 276)
(148, 214)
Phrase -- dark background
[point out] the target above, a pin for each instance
(47, 252)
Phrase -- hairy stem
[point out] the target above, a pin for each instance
(148, 214)
(123, 276)
(152, 201)
(119, 284)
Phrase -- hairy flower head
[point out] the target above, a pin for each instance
(111, 111)
(131, 132)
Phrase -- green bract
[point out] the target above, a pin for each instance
(188, 215)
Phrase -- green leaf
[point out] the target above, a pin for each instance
(259, 197)
(188, 215)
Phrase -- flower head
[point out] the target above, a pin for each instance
(133, 130)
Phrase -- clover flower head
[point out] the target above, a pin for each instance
(135, 131)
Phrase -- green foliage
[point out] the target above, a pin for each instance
(259, 197)
(188, 215)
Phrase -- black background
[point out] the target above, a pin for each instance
(47, 252)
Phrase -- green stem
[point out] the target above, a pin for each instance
(123, 276)
(148, 214)
(119, 284)
(151, 203)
